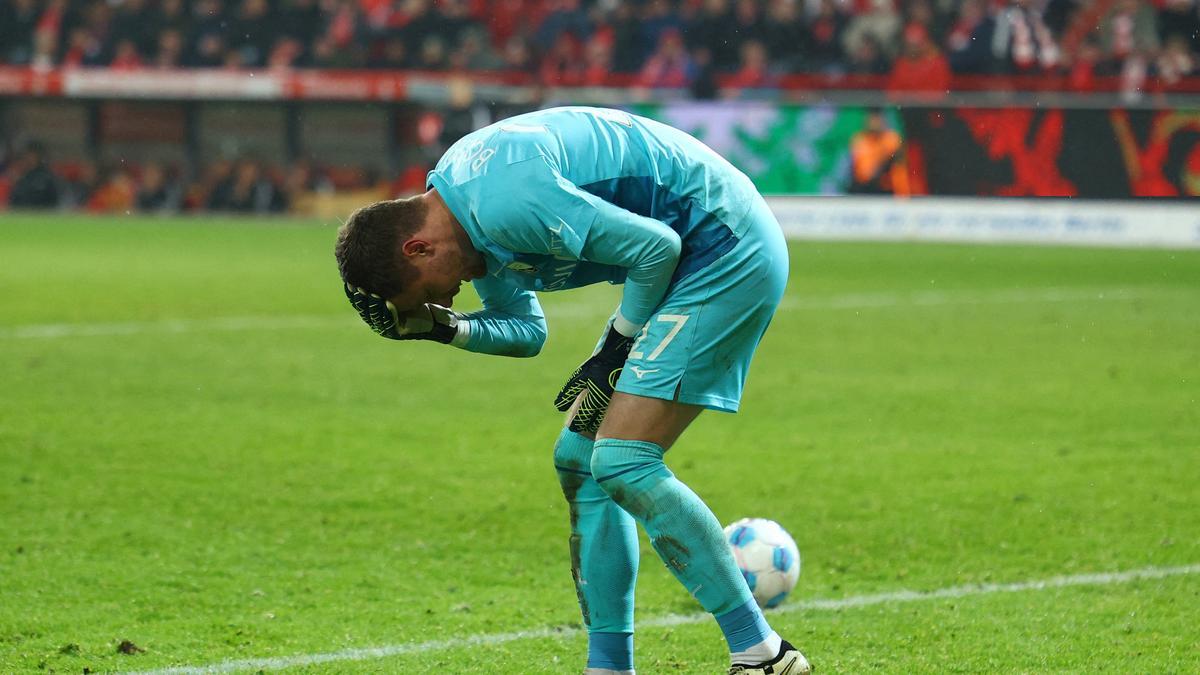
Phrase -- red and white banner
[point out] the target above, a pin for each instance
(205, 84)
(368, 85)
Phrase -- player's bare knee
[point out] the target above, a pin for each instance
(641, 418)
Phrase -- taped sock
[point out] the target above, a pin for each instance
(751, 640)
(611, 651)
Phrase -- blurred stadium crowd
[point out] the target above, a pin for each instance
(244, 185)
(593, 42)
(704, 47)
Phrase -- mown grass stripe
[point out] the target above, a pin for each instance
(854, 301)
(827, 604)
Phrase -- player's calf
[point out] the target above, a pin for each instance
(604, 557)
(688, 538)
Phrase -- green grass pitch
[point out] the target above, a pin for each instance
(204, 452)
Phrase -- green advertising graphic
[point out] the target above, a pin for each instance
(784, 149)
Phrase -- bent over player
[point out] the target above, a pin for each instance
(567, 197)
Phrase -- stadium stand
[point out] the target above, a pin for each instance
(660, 42)
(917, 50)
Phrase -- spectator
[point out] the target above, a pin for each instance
(338, 44)
(1129, 28)
(1084, 66)
(302, 178)
(826, 33)
(326, 54)
(868, 58)
(753, 72)
(77, 184)
(126, 56)
(170, 15)
(629, 51)
(518, 56)
(433, 55)
(1179, 18)
(247, 190)
(170, 49)
(456, 20)
(420, 21)
(115, 193)
(1058, 15)
(704, 82)
(746, 26)
(45, 49)
(157, 191)
(47, 36)
(209, 51)
(880, 21)
(658, 18)
(1022, 43)
(564, 17)
(207, 39)
(132, 24)
(34, 185)
(877, 159)
(392, 54)
(921, 68)
(784, 35)
(18, 18)
(286, 53)
(969, 42)
(83, 49)
(1175, 62)
(476, 51)
(253, 32)
(669, 65)
(561, 66)
(710, 30)
(299, 20)
(506, 17)
(924, 13)
(598, 56)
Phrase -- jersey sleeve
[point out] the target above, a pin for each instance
(542, 212)
(511, 322)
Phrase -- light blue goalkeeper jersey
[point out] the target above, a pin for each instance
(567, 197)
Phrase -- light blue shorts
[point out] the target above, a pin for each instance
(698, 344)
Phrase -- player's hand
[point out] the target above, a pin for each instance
(428, 322)
(596, 379)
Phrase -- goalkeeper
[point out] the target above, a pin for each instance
(568, 197)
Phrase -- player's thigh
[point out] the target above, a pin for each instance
(640, 418)
(698, 345)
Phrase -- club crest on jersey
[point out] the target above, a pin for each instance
(524, 268)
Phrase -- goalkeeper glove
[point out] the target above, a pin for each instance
(428, 322)
(597, 377)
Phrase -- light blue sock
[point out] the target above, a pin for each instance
(684, 532)
(604, 556)
(745, 627)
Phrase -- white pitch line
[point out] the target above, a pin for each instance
(577, 311)
(830, 604)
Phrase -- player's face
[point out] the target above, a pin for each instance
(440, 274)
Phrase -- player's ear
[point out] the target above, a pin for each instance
(416, 248)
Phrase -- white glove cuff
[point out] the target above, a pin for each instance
(625, 326)
(463, 334)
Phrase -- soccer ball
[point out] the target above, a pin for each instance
(767, 557)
